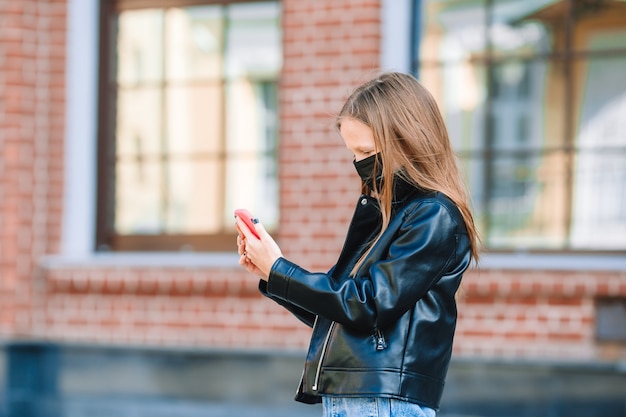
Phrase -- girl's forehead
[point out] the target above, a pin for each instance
(356, 132)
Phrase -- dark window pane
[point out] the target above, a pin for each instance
(610, 320)
(527, 105)
(527, 201)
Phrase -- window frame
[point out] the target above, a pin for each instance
(106, 239)
(488, 154)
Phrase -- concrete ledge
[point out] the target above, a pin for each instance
(553, 262)
(141, 259)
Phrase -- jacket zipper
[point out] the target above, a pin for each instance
(381, 343)
(302, 376)
(319, 365)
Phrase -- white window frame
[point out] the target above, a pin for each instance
(80, 179)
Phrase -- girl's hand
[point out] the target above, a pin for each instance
(243, 258)
(256, 255)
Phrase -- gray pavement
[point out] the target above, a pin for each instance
(98, 408)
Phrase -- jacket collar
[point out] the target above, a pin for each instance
(403, 190)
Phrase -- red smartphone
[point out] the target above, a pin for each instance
(246, 216)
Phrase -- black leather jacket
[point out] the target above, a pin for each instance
(388, 331)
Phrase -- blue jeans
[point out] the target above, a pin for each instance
(372, 407)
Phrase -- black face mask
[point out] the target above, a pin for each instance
(365, 169)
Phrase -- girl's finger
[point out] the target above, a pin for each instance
(243, 229)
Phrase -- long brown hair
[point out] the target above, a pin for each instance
(409, 133)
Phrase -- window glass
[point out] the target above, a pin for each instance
(524, 27)
(138, 136)
(194, 39)
(251, 170)
(518, 109)
(527, 196)
(472, 166)
(191, 207)
(253, 41)
(460, 89)
(140, 49)
(253, 58)
(138, 196)
(599, 174)
(454, 30)
(194, 115)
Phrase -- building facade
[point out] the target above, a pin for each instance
(130, 130)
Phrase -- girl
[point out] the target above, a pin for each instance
(384, 316)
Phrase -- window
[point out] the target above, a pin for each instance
(532, 91)
(188, 122)
(610, 319)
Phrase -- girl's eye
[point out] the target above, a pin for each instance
(363, 153)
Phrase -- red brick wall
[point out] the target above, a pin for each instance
(164, 307)
(535, 313)
(32, 78)
(329, 47)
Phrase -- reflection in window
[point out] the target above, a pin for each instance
(599, 173)
(538, 129)
(192, 94)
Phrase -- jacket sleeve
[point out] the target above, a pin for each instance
(395, 276)
(304, 316)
